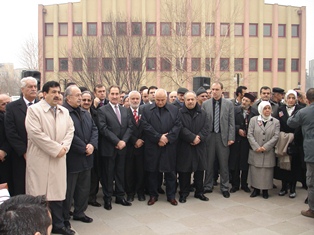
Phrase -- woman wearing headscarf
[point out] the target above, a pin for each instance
(263, 135)
(290, 177)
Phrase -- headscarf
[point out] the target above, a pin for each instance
(290, 109)
(261, 107)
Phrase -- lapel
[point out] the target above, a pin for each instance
(22, 105)
(268, 124)
(210, 108)
(113, 113)
(156, 111)
(222, 110)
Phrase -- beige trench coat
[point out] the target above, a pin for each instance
(45, 173)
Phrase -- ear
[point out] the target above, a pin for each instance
(37, 233)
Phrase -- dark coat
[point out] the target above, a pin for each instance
(239, 151)
(157, 158)
(85, 133)
(191, 158)
(177, 104)
(137, 133)
(4, 144)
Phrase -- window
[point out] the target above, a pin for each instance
(238, 64)
(224, 64)
(121, 28)
(63, 64)
(151, 64)
(49, 64)
(136, 64)
(181, 64)
(92, 64)
(209, 29)
(49, 29)
(136, 28)
(209, 64)
(267, 65)
(224, 29)
(63, 29)
(196, 29)
(77, 29)
(121, 64)
(281, 65)
(295, 65)
(77, 64)
(267, 30)
(238, 29)
(252, 64)
(196, 64)
(92, 29)
(107, 29)
(281, 30)
(295, 30)
(181, 29)
(107, 64)
(253, 30)
(165, 64)
(165, 29)
(151, 29)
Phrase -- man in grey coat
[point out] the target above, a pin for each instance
(304, 118)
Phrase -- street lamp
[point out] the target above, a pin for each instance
(237, 78)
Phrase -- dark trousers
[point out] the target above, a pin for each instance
(78, 186)
(170, 178)
(112, 169)
(56, 214)
(134, 175)
(95, 178)
(185, 180)
(6, 173)
(18, 174)
(236, 178)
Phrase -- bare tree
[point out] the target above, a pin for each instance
(9, 80)
(29, 53)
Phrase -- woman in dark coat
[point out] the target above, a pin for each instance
(289, 177)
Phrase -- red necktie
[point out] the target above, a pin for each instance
(135, 116)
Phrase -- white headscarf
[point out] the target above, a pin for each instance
(290, 109)
(261, 107)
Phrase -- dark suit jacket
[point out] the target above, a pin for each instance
(4, 144)
(111, 131)
(137, 133)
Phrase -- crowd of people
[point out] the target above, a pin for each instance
(134, 142)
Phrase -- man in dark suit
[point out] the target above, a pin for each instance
(16, 133)
(220, 113)
(240, 91)
(265, 94)
(134, 162)
(115, 131)
(179, 101)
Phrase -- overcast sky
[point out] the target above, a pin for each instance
(19, 22)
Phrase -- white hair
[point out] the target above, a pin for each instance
(161, 90)
(133, 93)
(26, 79)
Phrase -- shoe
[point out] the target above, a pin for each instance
(282, 192)
(215, 183)
(64, 230)
(292, 195)
(108, 206)
(95, 204)
(71, 213)
(141, 198)
(234, 189)
(182, 199)
(123, 202)
(226, 194)
(152, 201)
(161, 191)
(208, 190)
(202, 197)
(265, 194)
(191, 189)
(308, 213)
(84, 219)
(67, 224)
(246, 189)
(255, 193)
(130, 198)
(306, 201)
(173, 202)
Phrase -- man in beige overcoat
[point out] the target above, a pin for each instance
(50, 132)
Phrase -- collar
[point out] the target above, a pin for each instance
(27, 101)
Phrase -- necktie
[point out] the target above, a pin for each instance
(117, 111)
(29, 104)
(101, 104)
(135, 116)
(216, 118)
(54, 111)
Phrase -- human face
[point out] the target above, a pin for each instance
(209, 93)
(161, 99)
(121, 97)
(145, 96)
(291, 100)
(242, 94)
(135, 100)
(246, 103)
(180, 97)
(265, 94)
(30, 90)
(75, 98)
(201, 98)
(190, 100)
(266, 111)
(53, 96)
(86, 101)
(126, 103)
(4, 100)
(60, 100)
(151, 95)
(100, 93)
(172, 96)
(277, 97)
(114, 95)
(40, 96)
(216, 91)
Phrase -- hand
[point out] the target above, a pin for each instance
(2, 155)
(164, 138)
(96, 102)
(24, 155)
(139, 143)
(197, 140)
(62, 152)
(230, 142)
(121, 144)
(89, 149)
(242, 133)
(161, 144)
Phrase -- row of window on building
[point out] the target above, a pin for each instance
(166, 29)
(136, 64)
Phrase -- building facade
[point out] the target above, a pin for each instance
(168, 42)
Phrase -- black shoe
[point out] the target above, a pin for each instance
(191, 189)
(292, 195)
(123, 202)
(67, 224)
(255, 193)
(201, 197)
(182, 199)
(161, 191)
(265, 194)
(234, 189)
(208, 190)
(246, 189)
(95, 204)
(283, 192)
(64, 230)
(84, 219)
(130, 198)
(226, 194)
(141, 197)
(108, 206)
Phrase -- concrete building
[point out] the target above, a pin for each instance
(244, 42)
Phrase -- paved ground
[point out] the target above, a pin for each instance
(238, 214)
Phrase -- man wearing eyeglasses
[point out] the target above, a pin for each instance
(202, 95)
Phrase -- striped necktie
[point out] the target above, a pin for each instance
(216, 118)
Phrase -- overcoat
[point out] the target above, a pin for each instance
(47, 135)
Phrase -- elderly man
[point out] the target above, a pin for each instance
(172, 96)
(278, 95)
(201, 95)
(50, 132)
(191, 155)
(79, 157)
(16, 133)
(161, 128)
(179, 101)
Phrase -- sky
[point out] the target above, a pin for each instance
(19, 22)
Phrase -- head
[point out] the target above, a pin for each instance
(247, 101)
(60, 99)
(70, 84)
(29, 88)
(217, 89)
(122, 94)
(310, 95)
(114, 94)
(126, 101)
(4, 100)
(291, 98)
(87, 100)
(134, 99)
(209, 93)
(201, 95)
(145, 96)
(241, 90)
(161, 97)
(190, 99)
(278, 94)
(151, 93)
(264, 109)
(172, 96)
(142, 89)
(264, 93)
(40, 95)
(100, 92)
(73, 96)
(52, 91)
(180, 94)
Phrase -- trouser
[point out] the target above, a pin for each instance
(56, 214)
(170, 178)
(236, 178)
(95, 178)
(310, 184)
(185, 180)
(134, 175)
